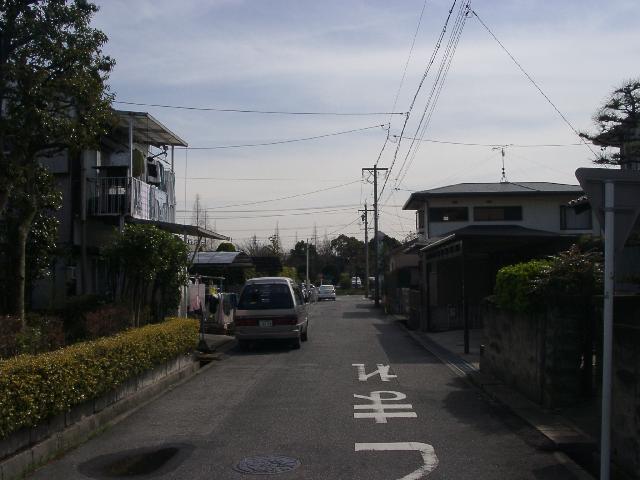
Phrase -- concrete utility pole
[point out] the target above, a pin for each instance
(365, 218)
(307, 271)
(375, 171)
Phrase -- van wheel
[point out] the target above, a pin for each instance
(305, 335)
(296, 343)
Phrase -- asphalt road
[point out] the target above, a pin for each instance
(273, 400)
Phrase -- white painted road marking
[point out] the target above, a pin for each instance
(383, 371)
(379, 409)
(428, 455)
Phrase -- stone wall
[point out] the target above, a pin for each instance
(543, 356)
(512, 350)
(539, 354)
(625, 420)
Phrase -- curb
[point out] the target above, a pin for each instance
(35, 456)
(556, 429)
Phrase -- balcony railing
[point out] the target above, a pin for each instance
(130, 196)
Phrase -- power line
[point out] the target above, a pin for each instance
(287, 197)
(341, 211)
(511, 145)
(279, 209)
(436, 89)
(533, 82)
(424, 77)
(259, 179)
(293, 140)
(267, 112)
(406, 65)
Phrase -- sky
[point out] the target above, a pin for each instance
(349, 57)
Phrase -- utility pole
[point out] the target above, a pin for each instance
(375, 171)
(365, 218)
(307, 242)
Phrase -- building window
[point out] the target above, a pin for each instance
(496, 214)
(574, 219)
(448, 214)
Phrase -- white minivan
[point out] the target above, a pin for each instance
(271, 308)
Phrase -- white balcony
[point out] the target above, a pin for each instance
(116, 196)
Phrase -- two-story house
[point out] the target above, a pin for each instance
(129, 179)
(467, 232)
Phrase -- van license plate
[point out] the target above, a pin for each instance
(266, 323)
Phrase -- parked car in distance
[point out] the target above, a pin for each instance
(327, 292)
(271, 308)
(356, 282)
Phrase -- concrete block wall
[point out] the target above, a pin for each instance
(625, 420)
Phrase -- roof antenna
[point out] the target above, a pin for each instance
(503, 179)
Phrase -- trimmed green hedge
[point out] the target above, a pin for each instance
(35, 387)
(515, 285)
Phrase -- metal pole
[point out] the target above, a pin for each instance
(465, 313)
(366, 249)
(607, 348)
(375, 230)
(307, 242)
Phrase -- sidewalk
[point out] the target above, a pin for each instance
(562, 433)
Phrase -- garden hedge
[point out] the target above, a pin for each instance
(515, 285)
(35, 387)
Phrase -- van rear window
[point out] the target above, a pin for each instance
(264, 296)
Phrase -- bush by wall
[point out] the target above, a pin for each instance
(35, 387)
(515, 285)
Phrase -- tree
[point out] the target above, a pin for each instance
(351, 252)
(41, 241)
(297, 258)
(254, 247)
(53, 97)
(226, 247)
(618, 124)
(148, 266)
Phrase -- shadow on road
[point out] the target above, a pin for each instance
(264, 347)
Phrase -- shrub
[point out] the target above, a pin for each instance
(41, 334)
(10, 327)
(516, 285)
(35, 387)
(572, 273)
(525, 286)
(106, 320)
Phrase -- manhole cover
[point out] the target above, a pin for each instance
(267, 464)
(136, 463)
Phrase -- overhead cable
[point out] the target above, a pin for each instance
(510, 145)
(436, 89)
(287, 197)
(266, 112)
(279, 142)
(533, 82)
(415, 96)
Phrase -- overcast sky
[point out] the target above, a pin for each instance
(348, 56)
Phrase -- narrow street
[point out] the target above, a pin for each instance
(302, 404)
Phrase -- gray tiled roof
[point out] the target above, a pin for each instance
(507, 187)
(491, 189)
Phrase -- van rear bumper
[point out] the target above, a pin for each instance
(257, 333)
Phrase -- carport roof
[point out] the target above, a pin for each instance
(148, 129)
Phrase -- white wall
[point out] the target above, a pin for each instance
(538, 213)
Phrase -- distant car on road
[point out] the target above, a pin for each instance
(271, 308)
(327, 292)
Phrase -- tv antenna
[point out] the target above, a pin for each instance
(503, 179)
